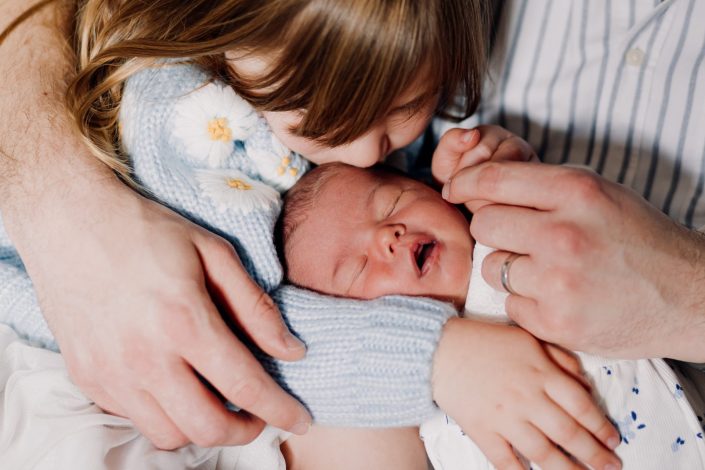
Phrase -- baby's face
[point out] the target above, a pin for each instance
(371, 234)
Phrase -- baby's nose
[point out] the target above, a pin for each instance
(388, 239)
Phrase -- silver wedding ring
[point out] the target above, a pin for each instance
(504, 273)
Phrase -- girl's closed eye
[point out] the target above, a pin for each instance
(402, 114)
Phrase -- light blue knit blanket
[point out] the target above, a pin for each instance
(201, 150)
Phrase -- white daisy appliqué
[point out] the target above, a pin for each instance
(277, 165)
(209, 120)
(231, 189)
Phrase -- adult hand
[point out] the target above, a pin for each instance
(504, 388)
(603, 271)
(124, 284)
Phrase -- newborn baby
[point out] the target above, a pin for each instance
(367, 233)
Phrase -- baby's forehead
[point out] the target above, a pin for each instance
(368, 179)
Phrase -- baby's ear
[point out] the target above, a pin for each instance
(450, 150)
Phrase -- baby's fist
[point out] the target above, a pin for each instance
(462, 148)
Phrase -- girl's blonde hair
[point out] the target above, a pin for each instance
(341, 62)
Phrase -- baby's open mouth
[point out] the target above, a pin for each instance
(422, 254)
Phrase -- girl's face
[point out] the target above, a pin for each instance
(406, 121)
(409, 116)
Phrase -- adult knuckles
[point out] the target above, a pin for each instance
(560, 283)
(263, 307)
(246, 391)
(584, 187)
(179, 320)
(567, 240)
(222, 248)
(244, 435)
(553, 323)
(214, 434)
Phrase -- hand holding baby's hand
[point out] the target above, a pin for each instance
(462, 148)
(506, 389)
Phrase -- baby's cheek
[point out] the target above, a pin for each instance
(387, 282)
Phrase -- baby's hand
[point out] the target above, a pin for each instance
(462, 148)
(508, 390)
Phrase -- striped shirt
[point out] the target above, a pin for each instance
(618, 85)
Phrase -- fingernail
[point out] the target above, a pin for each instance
(446, 190)
(293, 343)
(613, 442)
(611, 466)
(300, 428)
(467, 136)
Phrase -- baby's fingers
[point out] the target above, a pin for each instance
(568, 362)
(564, 431)
(579, 404)
(498, 451)
(535, 446)
(513, 148)
(451, 148)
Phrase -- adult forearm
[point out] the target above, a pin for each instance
(40, 148)
(692, 345)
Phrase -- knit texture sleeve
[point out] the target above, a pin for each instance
(181, 132)
(368, 363)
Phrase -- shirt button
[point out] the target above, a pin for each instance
(635, 56)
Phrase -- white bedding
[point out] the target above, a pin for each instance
(47, 423)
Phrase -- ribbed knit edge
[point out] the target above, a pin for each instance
(368, 363)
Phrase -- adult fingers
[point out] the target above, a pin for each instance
(563, 430)
(149, 417)
(201, 416)
(535, 446)
(525, 184)
(525, 312)
(451, 147)
(519, 274)
(497, 450)
(510, 228)
(230, 367)
(578, 403)
(252, 309)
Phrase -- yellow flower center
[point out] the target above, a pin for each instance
(238, 184)
(218, 130)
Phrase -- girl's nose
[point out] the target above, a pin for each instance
(370, 148)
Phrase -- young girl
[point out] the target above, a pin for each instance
(216, 100)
